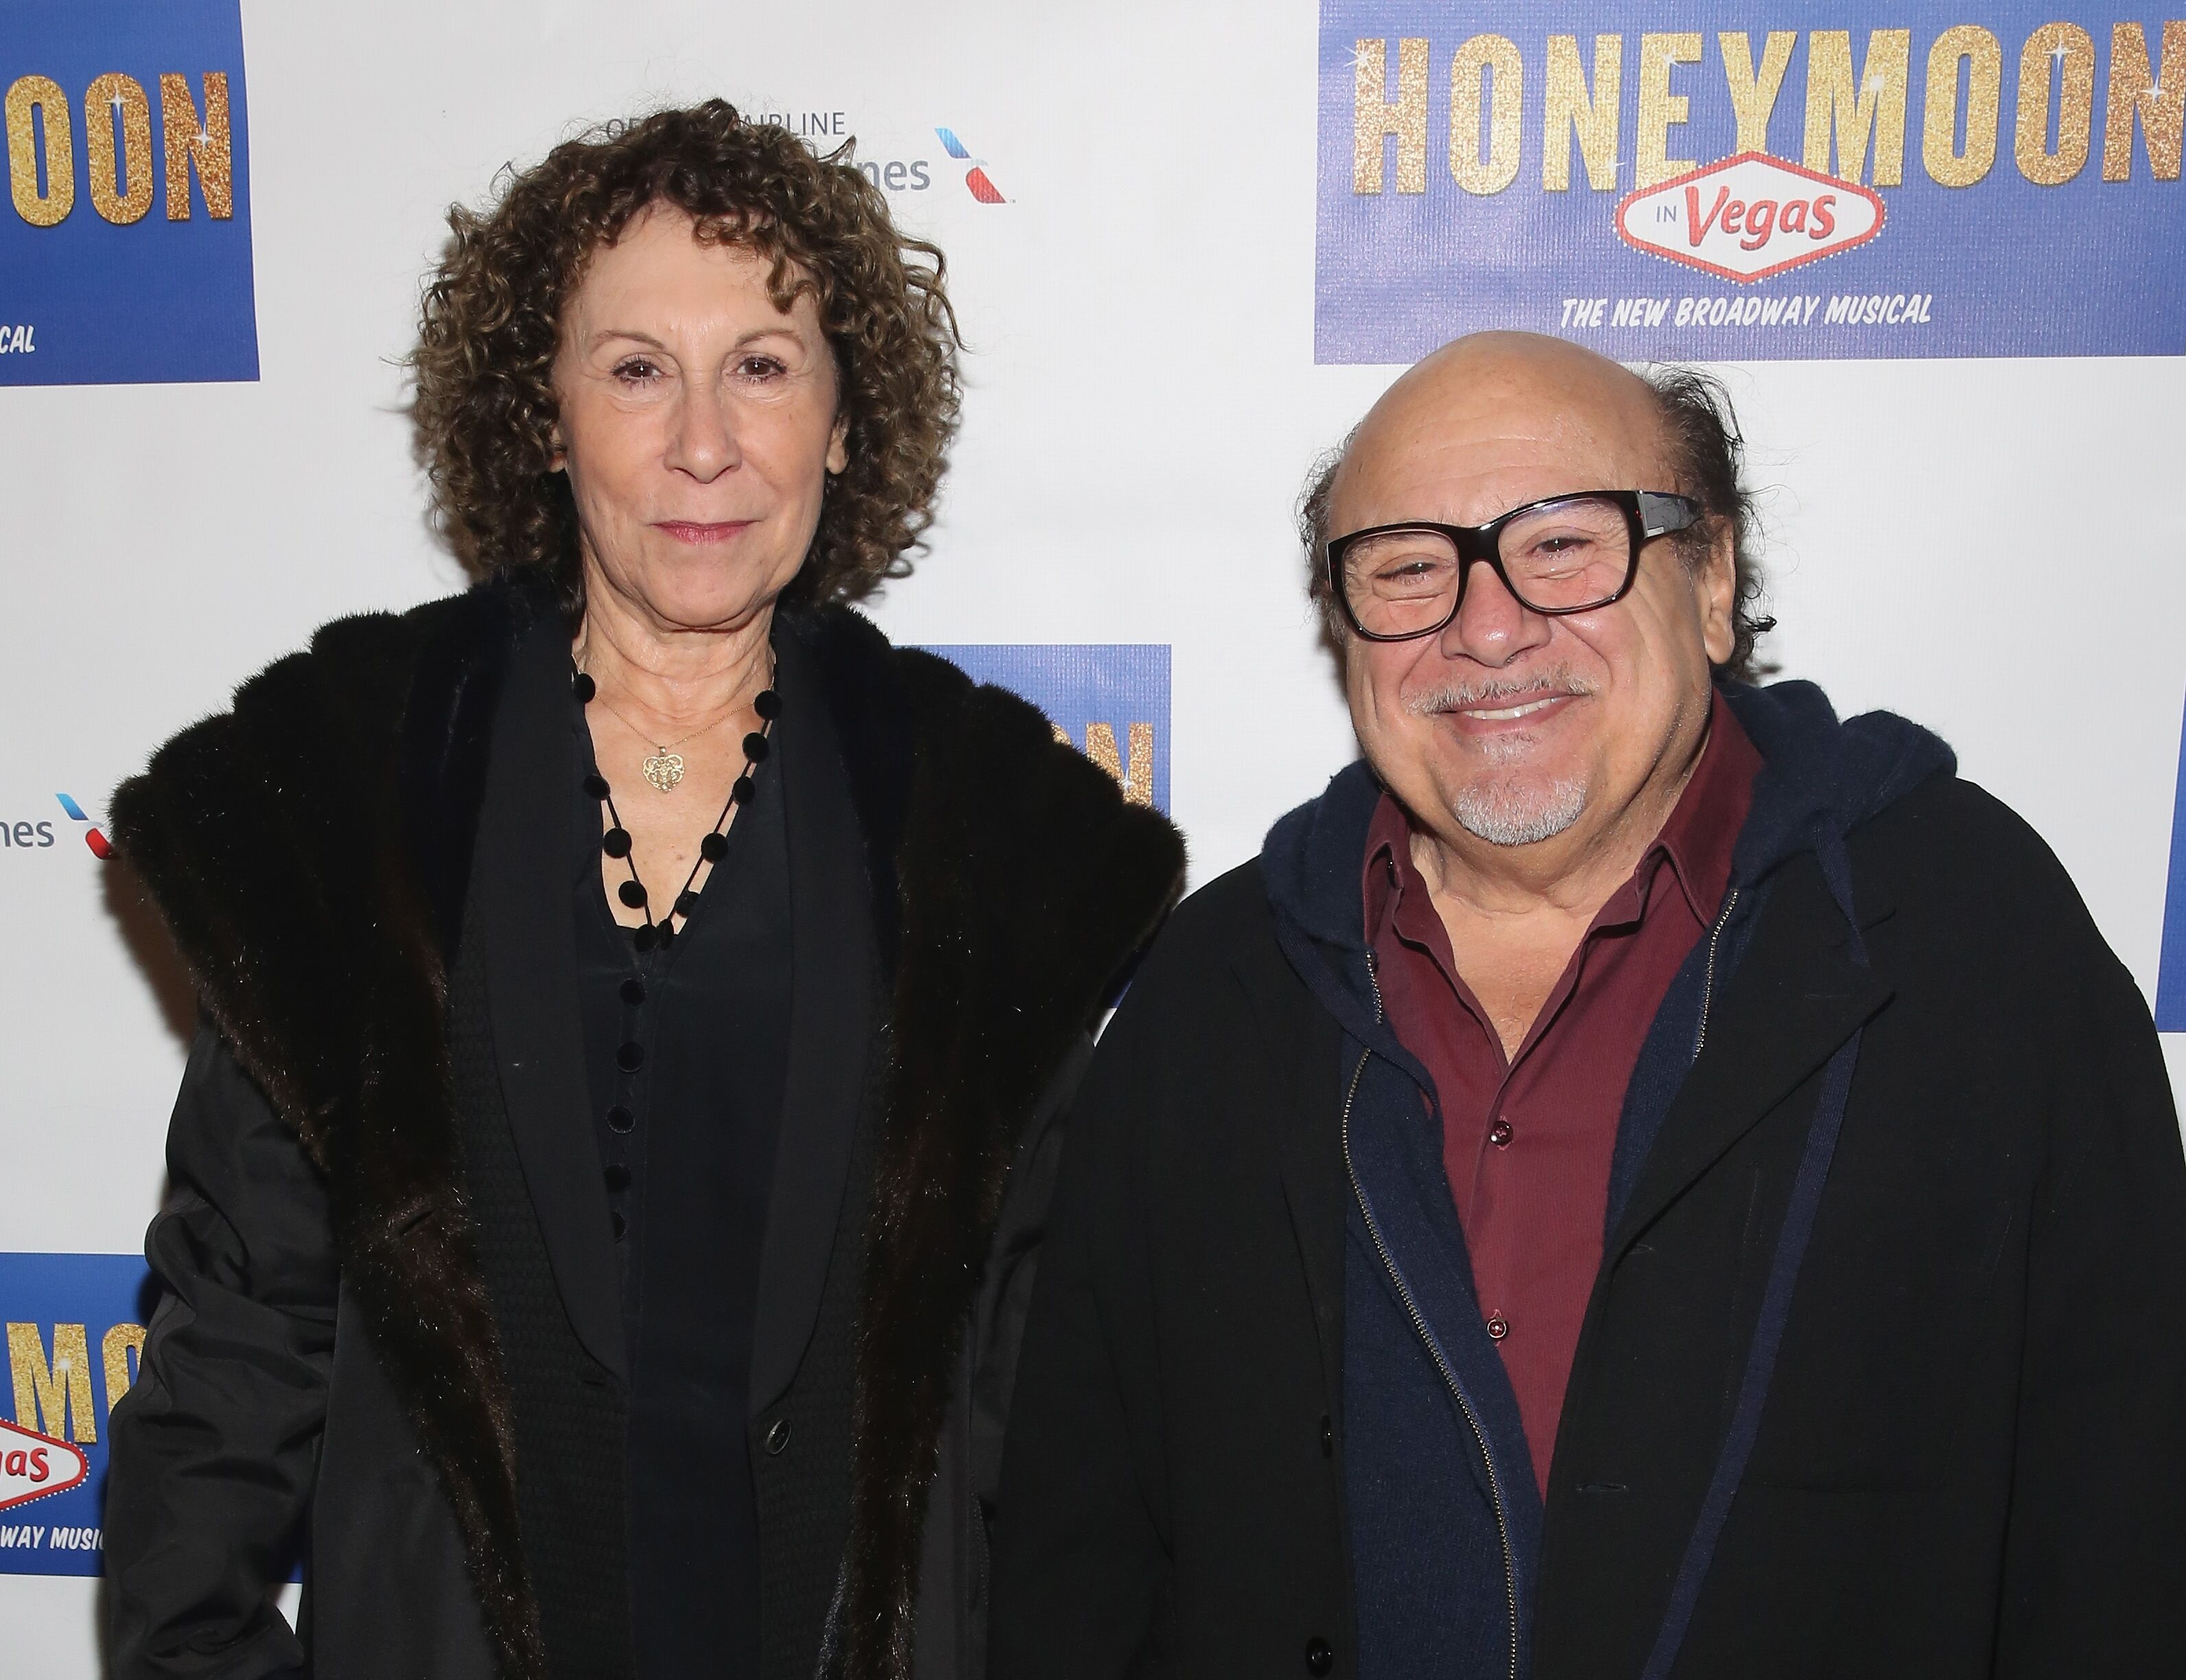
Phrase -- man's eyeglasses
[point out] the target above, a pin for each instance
(1566, 554)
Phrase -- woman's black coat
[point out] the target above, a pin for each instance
(390, 1287)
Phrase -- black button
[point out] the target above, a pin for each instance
(584, 688)
(1500, 1134)
(1319, 1657)
(740, 790)
(632, 892)
(616, 1223)
(767, 704)
(714, 847)
(616, 843)
(755, 748)
(686, 904)
(1327, 1439)
(597, 785)
(618, 1176)
(1498, 1327)
(631, 1057)
(777, 1437)
(633, 990)
(620, 1119)
(644, 939)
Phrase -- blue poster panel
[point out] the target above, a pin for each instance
(1110, 700)
(75, 1331)
(1698, 181)
(125, 246)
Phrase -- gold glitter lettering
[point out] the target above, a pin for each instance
(1573, 113)
(114, 102)
(48, 1396)
(1847, 111)
(1974, 46)
(1753, 94)
(1138, 785)
(205, 142)
(1101, 748)
(115, 1349)
(1659, 109)
(1492, 58)
(1063, 734)
(41, 95)
(2065, 52)
(2159, 100)
(1375, 119)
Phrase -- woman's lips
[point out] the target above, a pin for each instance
(688, 530)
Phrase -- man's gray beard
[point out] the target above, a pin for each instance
(1513, 814)
(1509, 812)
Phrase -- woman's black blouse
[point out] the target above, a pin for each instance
(685, 1050)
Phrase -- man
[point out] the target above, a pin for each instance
(1640, 1176)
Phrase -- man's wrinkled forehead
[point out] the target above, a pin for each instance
(1483, 425)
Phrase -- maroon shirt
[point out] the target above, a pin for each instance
(1527, 1141)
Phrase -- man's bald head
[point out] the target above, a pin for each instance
(1492, 413)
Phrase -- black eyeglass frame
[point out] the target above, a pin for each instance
(1650, 514)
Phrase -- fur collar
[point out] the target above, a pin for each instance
(309, 850)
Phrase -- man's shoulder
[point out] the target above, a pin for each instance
(1957, 860)
(1952, 832)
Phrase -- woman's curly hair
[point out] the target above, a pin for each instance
(484, 406)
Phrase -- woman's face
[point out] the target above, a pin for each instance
(699, 424)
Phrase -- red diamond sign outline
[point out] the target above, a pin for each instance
(1670, 254)
(8, 1432)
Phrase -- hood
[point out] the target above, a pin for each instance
(1821, 778)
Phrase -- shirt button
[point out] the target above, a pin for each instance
(620, 1119)
(633, 990)
(777, 1437)
(1500, 1134)
(631, 1057)
(1319, 1657)
(618, 1176)
(1498, 1327)
(617, 1224)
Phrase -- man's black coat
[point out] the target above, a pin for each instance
(1972, 1461)
(391, 1294)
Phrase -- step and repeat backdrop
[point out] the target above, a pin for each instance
(1934, 250)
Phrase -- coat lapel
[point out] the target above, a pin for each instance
(525, 913)
(1796, 1000)
(831, 1011)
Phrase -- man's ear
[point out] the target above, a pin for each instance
(1716, 581)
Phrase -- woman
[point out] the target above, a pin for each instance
(636, 996)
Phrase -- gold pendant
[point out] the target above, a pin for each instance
(663, 770)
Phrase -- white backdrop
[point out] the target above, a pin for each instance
(1993, 547)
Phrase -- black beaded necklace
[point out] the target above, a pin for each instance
(615, 842)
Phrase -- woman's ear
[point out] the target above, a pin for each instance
(839, 453)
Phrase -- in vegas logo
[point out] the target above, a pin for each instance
(1749, 216)
(34, 1465)
(975, 178)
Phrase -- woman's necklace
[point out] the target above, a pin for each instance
(615, 842)
(664, 768)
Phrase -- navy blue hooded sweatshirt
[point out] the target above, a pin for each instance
(1444, 1514)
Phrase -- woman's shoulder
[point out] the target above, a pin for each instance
(317, 728)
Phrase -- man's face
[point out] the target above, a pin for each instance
(1510, 729)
